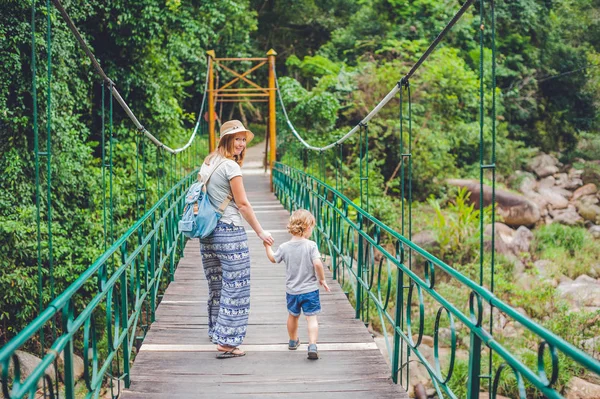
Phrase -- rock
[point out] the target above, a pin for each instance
(528, 183)
(583, 292)
(555, 199)
(522, 240)
(592, 346)
(28, 363)
(588, 189)
(579, 388)
(546, 182)
(589, 200)
(595, 230)
(568, 216)
(426, 340)
(575, 173)
(426, 240)
(514, 208)
(546, 268)
(420, 391)
(77, 365)
(572, 184)
(589, 212)
(561, 179)
(539, 200)
(544, 165)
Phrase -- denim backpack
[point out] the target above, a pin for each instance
(199, 218)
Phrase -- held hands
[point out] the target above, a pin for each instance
(266, 237)
(324, 285)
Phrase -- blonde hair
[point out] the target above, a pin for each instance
(226, 150)
(300, 221)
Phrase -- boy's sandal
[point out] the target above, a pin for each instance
(293, 345)
(312, 352)
(231, 353)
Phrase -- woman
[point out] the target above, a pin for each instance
(225, 252)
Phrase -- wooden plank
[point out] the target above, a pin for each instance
(177, 359)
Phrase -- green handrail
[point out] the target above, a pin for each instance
(116, 287)
(342, 224)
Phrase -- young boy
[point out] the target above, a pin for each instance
(303, 270)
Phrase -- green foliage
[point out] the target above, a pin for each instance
(572, 249)
(155, 54)
(457, 228)
(557, 235)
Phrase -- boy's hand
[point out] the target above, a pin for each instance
(266, 244)
(324, 285)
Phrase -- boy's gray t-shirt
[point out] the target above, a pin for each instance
(298, 256)
(219, 187)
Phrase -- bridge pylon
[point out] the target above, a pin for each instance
(254, 93)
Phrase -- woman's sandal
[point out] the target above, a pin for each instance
(231, 353)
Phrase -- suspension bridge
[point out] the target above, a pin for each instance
(141, 331)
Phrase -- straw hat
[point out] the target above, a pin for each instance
(233, 127)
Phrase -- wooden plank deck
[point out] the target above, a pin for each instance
(177, 359)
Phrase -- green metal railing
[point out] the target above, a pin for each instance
(384, 270)
(105, 313)
(377, 260)
(121, 297)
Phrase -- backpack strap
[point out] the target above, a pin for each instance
(227, 200)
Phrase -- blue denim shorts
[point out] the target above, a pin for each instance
(309, 303)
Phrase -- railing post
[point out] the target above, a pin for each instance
(125, 317)
(398, 318)
(359, 269)
(211, 101)
(474, 366)
(67, 317)
(153, 284)
(272, 114)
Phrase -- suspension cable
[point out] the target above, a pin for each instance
(115, 92)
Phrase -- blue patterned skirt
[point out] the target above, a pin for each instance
(226, 262)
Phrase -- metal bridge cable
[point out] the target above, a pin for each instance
(438, 39)
(115, 92)
(345, 137)
(388, 97)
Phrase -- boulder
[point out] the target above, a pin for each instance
(595, 230)
(509, 242)
(579, 388)
(426, 240)
(589, 212)
(554, 198)
(515, 209)
(544, 165)
(28, 364)
(589, 200)
(546, 182)
(582, 292)
(546, 268)
(568, 216)
(588, 189)
(528, 183)
(78, 367)
(522, 240)
(591, 346)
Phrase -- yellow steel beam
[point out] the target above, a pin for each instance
(251, 83)
(242, 59)
(272, 111)
(249, 71)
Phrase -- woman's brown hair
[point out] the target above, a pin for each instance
(226, 150)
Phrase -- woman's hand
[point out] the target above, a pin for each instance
(266, 237)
